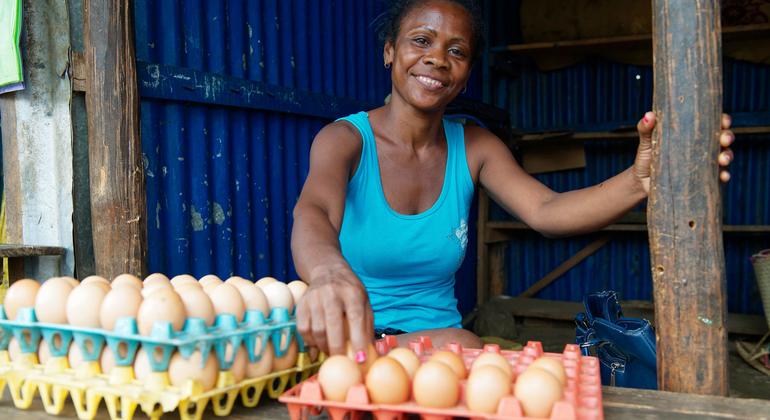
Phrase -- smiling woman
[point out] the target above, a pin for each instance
(380, 226)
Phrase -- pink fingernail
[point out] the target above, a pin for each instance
(360, 356)
(645, 119)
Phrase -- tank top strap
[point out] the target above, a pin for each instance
(368, 159)
(455, 137)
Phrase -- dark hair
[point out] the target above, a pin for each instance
(388, 23)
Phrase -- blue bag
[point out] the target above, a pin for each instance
(625, 347)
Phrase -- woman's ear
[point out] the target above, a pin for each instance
(387, 54)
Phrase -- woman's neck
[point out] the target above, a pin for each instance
(403, 124)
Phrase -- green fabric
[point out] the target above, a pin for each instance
(10, 32)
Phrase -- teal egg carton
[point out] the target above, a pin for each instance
(224, 337)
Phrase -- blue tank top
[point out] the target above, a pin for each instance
(407, 262)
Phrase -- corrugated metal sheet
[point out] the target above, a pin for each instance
(222, 180)
(599, 95)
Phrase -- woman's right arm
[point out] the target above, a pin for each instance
(335, 294)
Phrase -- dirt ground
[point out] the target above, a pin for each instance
(745, 381)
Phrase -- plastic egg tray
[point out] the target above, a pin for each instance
(582, 394)
(87, 387)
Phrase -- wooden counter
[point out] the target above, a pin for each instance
(619, 403)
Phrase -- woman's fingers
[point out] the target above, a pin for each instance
(318, 325)
(303, 323)
(724, 176)
(725, 157)
(726, 138)
(335, 331)
(726, 121)
(358, 323)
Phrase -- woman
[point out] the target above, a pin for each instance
(379, 229)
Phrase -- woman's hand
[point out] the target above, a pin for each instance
(335, 303)
(643, 162)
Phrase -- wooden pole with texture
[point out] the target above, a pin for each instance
(684, 208)
(118, 209)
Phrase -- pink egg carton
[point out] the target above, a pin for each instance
(582, 396)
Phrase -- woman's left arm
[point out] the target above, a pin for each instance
(579, 211)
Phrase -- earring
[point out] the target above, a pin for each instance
(465, 89)
(387, 65)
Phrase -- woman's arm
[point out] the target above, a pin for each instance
(335, 295)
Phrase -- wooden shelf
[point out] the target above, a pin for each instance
(729, 33)
(613, 135)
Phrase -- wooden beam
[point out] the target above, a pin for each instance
(572, 261)
(118, 208)
(482, 267)
(498, 276)
(684, 211)
(78, 71)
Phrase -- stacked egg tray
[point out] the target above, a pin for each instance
(122, 394)
(582, 395)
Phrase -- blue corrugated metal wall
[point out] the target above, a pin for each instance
(222, 180)
(598, 95)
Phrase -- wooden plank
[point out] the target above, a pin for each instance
(684, 210)
(572, 261)
(118, 208)
(614, 135)
(503, 231)
(13, 250)
(78, 71)
(565, 311)
(498, 276)
(11, 173)
(482, 268)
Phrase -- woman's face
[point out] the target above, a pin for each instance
(431, 56)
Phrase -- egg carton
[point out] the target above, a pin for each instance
(582, 394)
(86, 388)
(124, 340)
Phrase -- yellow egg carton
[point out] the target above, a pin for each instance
(87, 387)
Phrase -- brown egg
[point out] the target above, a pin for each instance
(264, 365)
(209, 280)
(155, 278)
(493, 359)
(371, 357)
(278, 295)
(84, 304)
(181, 370)
(121, 302)
(73, 281)
(197, 304)
(537, 391)
(336, 376)
(436, 385)
(289, 358)
(74, 356)
(234, 280)
(387, 382)
(264, 281)
(142, 368)
(155, 282)
(183, 279)
(163, 305)
(552, 366)
(51, 300)
(21, 294)
(486, 386)
(452, 360)
(209, 289)
(297, 289)
(407, 358)
(107, 360)
(227, 300)
(253, 298)
(127, 280)
(94, 279)
(43, 352)
(239, 364)
(14, 349)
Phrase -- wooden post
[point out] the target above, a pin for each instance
(118, 209)
(684, 209)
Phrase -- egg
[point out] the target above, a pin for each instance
(155, 282)
(493, 359)
(155, 278)
(253, 298)
(51, 300)
(436, 385)
(387, 382)
(227, 300)
(238, 367)
(43, 352)
(21, 294)
(73, 281)
(537, 391)
(552, 366)
(208, 289)
(14, 349)
(127, 280)
(264, 365)
(236, 280)
(264, 281)
(121, 302)
(84, 304)
(336, 376)
(278, 295)
(94, 279)
(371, 356)
(289, 358)
(210, 279)
(163, 305)
(486, 386)
(197, 304)
(313, 353)
(107, 360)
(407, 358)
(183, 279)
(454, 361)
(181, 370)
(74, 356)
(142, 368)
(297, 289)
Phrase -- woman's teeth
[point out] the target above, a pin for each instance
(431, 83)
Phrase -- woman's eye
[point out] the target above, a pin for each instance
(421, 41)
(456, 51)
